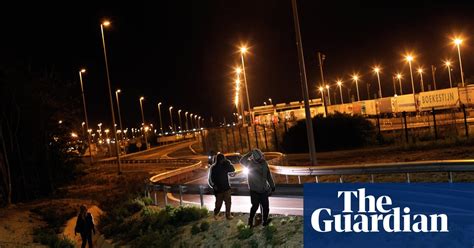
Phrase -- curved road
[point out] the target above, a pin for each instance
(278, 205)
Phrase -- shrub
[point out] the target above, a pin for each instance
(336, 131)
(147, 200)
(195, 229)
(204, 226)
(47, 236)
(269, 231)
(184, 215)
(240, 225)
(245, 232)
(253, 243)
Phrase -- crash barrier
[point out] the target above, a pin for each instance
(153, 161)
(438, 166)
(152, 190)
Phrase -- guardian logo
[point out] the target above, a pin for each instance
(374, 214)
(389, 215)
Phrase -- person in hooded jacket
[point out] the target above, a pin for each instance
(219, 181)
(85, 226)
(260, 183)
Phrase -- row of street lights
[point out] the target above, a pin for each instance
(409, 58)
(197, 119)
(238, 98)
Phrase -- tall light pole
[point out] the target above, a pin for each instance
(159, 113)
(377, 71)
(238, 95)
(399, 77)
(458, 42)
(191, 120)
(304, 86)
(447, 63)
(171, 119)
(118, 107)
(243, 50)
(117, 150)
(339, 83)
(329, 95)
(409, 59)
(186, 118)
(355, 77)
(85, 115)
(143, 121)
(179, 117)
(420, 71)
(199, 122)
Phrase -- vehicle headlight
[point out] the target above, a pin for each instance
(245, 171)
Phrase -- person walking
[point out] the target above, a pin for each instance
(260, 183)
(219, 181)
(85, 226)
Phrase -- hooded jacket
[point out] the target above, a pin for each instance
(259, 176)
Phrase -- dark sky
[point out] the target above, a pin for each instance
(182, 52)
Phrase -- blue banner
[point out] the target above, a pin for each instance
(389, 215)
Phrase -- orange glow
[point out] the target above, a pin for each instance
(83, 70)
(457, 41)
(399, 76)
(409, 57)
(355, 77)
(105, 23)
(376, 69)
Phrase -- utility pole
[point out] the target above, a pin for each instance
(433, 69)
(321, 59)
(304, 86)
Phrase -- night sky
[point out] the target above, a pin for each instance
(182, 53)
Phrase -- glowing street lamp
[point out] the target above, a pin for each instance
(458, 41)
(339, 83)
(159, 113)
(420, 71)
(377, 71)
(179, 117)
(399, 77)
(186, 117)
(355, 77)
(409, 59)
(329, 95)
(118, 107)
(171, 118)
(191, 120)
(141, 109)
(447, 63)
(85, 114)
(244, 50)
(117, 150)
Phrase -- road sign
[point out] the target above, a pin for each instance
(446, 98)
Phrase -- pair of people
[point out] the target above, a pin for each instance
(85, 226)
(259, 178)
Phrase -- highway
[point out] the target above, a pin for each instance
(278, 205)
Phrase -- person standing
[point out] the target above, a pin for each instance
(260, 183)
(85, 226)
(219, 181)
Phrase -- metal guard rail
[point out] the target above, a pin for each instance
(196, 165)
(379, 168)
(153, 161)
(237, 189)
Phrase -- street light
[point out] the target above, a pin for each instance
(447, 63)
(159, 113)
(339, 83)
(377, 71)
(355, 77)
(171, 119)
(329, 95)
(458, 41)
(118, 107)
(179, 117)
(399, 77)
(409, 59)
(270, 100)
(244, 50)
(420, 71)
(186, 118)
(85, 113)
(102, 25)
(191, 120)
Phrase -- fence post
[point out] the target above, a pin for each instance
(406, 125)
(248, 138)
(165, 193)
(450, 175)
(316, 178)
(256, 135)
(233, 138)
(408, 178)
(240, 137)
(276, 137)
(341, 179)
(466, 127)
(286, 179)
(265, 136)
(434, 122)
(379, 134)
(299, 179)
(181, 190)
(201, 192)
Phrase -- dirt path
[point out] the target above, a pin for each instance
(71, 224)
(16, 226)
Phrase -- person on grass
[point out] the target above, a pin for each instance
(219, 181)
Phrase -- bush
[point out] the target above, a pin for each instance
(204, 226)
(245, 232)
(269, 231)
(253, 243)
(334, 132)
(195, 229)
(147, 200)
(47, 236)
